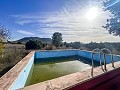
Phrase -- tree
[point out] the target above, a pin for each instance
(33, 44)
(113, 24)
(76, 45)
(4, 35)
(57, 39)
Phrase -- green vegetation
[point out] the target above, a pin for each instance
(58, 44)
(114, 47)
(113, 23)
(33, 45)
(4, 35)
(57, 39)
(1, 47)
(12, 54)
(74, 45)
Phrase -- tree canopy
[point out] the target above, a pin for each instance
(33, 45)
(113, 24)
(57, 39)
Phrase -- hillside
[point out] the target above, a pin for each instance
(44, 40)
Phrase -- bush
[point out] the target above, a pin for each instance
(19, 42)
(1, 48)
(33, 45)
(50, 47)
(11, 55)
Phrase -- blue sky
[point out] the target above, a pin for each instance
(44, 17)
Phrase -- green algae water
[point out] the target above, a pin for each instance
(50, 68)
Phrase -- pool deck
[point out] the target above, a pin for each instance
(67, 81)
(8, 79)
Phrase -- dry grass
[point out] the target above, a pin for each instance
(13, 53)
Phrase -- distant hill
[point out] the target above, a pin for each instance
(43, 40)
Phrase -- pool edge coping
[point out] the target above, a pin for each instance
(8, 79)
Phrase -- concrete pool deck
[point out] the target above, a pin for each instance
(70, 80)
(9, 78)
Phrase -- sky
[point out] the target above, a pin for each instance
(72, 18)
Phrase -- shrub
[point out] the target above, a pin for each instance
(1, 48)
(33, 45)
(50, 47)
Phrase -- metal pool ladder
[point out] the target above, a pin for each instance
(101, 52)
(105, 51)
(92, 53)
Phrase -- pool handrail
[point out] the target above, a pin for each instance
(103, 51)
(92, 53)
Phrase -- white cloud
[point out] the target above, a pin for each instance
(25, 32)
(71, 22)
(22, 22)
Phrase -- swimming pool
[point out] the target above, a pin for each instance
(46, 65)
